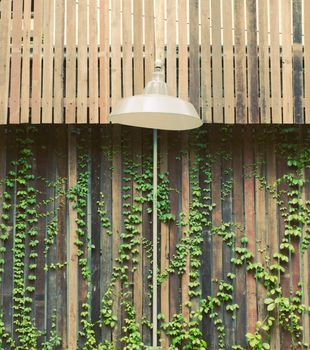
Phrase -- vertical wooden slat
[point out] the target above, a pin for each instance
(93, 63)
(5, 36)
(286, 20)
(275, 62)
(238, 209)
(272, 227)
(61, 168)
(217, 247)
(307, 59)
(104, 102)
(16, 62)
(297, 62)
(252, 61)
(127, 48)
(240, 62)
(264, 92)
(149, 38)
(25, 87)
(82, 63)
(205, 61)
(36, 63)
(229, 111)
(59, 62)
(185, 211)
(194, 75)
(250, 228)
(183, 55)
(171, 47)
(138, 46)
(70, 61)
(260, 222)
(116, 227)
(106, 240)
(3, 170)
(164, 250)
(48, 27)
(72, 266)
(217, 61)
(138, 273)
(115, 52)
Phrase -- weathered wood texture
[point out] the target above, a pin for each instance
(236, 189)
(236, 61)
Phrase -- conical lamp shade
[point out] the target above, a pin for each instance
(155, 109)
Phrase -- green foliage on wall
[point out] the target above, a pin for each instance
(184, 333)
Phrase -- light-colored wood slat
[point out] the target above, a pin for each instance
(5, 23)
(250, 228)
(93, 63)
(25, 88)
(159, 30)
(149, 38)
(127, 48)
(287, 89)
(240, 62)
(272, 227)
(116, 52)
(48, 31)
(297, 62)
(82, 63)
(16, 62)
(164, 250)
(36, 63)
(138, 273)
(307, 59)
(116, 229)
(229, 102)
(217, 61)
(104, 102)
(261, 244)
(171, 47)
(275, 62)
(205, 61)
(183, 55)
(59, 62)
(263, 62)
(72, 265)
(138, 47)
(194, 73)
(185, 211)
(70, 62)
(252, 61)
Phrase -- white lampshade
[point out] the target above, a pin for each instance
(155, 109)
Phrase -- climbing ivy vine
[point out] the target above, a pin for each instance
(22, 210)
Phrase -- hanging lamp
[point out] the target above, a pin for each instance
(155, 109)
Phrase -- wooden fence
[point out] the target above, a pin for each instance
(237, 61)
(66, 209)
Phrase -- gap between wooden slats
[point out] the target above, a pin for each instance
(171, 47)
(138, 47)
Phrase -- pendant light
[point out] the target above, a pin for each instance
(155, 109)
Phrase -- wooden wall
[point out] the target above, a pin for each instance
(236, 61)
(244, 163)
